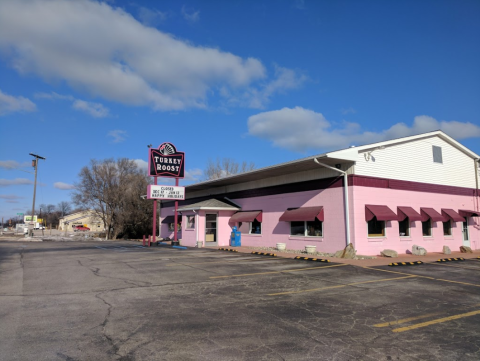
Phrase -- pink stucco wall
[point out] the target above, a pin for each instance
(393, 198)
(274, 231)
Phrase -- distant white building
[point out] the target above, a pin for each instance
(86, 218)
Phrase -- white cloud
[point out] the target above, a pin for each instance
(117, 135)
(63, 186)
(151, 17)
(16, 181)
(141, 164)
(11, 104)
(190, 14)
(193, 174)
(53, 96)
(105, 52)
(13, 164)
(96, 110)
(300, 129)
(346, 111)
(9, 196)
(284, 79)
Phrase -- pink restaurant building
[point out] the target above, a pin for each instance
(419, 190)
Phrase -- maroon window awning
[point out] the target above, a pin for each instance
(171, 219)
(430, 213)
(467, 213)
(247, 216)
(383, 213)
(454, 216)
(303, 214)
(412, 214)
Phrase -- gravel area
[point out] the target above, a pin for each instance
(303, 252)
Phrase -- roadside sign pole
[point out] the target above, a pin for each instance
(154, 214)
(175, 237)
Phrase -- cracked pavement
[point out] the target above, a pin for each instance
(118, 301)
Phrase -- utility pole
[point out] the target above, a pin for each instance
(35, 164)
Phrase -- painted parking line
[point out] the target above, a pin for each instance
(455, 266)
(258, 260)
(405, 320)
(438, 320)
(339, 286)
(431, 278)
(277, 272)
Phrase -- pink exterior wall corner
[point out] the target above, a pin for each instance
(392, 240)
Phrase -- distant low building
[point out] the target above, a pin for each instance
(86, 218)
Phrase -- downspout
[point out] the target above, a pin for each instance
(345, 190)
(196, 226)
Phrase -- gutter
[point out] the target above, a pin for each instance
(345, 190)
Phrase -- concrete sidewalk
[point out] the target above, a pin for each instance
(379, 261)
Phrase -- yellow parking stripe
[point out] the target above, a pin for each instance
(439, 320)
(454, 266)
(226, 261)
(338, 286)
(405, 320)
(274, 272)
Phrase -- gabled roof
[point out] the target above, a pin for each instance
(210, 204)
(346, 155)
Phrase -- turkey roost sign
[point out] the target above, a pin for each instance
(166, 161)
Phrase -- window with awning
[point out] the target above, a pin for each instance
(303, 214)
(432, 214)
(305, 221)
(467, 213)
(412, 214)
(249, 222)
(451, 214)
(382, 213)
(170, 220)
(246, 216)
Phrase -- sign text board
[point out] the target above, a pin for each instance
(165, 192)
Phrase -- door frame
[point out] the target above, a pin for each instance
(212, 244)
(465, 242)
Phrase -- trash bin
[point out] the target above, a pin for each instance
(235, 238)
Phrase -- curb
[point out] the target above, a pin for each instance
(265, 254)
(312, 259)
(451, 259)
(227, 249)
(416, 263)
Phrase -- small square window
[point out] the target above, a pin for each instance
(437, 154)
(297, 228)
(190, 222)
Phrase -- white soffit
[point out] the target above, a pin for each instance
(350, 154)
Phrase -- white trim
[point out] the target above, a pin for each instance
(233, 209)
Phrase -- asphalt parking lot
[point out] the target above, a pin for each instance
(120, 301)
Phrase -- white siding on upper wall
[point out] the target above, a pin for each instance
(413, 161)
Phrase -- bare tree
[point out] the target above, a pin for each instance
(64, 208)
(225, 167)
(112, 190)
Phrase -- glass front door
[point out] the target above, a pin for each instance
(210, 229)
(466, 240)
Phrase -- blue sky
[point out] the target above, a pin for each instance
(262, 81)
